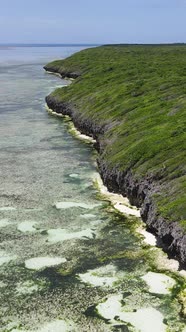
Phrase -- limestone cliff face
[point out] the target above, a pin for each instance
(139, 192)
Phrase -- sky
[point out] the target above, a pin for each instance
(92, 21)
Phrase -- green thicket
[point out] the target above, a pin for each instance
(139, 92)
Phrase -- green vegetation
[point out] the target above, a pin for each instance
(139, 93)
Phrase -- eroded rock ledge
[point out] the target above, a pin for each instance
(64, 74)
(172, 237)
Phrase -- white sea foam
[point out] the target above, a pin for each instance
(60, 234)
(119, 202)
(39, 263)
(148, 237)
(81, 136)
(68, 205)
(158, 282)
(127, 210)
(163, 262)
(27, 226)
(74, 131)
(182, 273)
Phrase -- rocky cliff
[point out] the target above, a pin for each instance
(140, 192)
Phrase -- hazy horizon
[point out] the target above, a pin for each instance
(80, 44)
(105, 22)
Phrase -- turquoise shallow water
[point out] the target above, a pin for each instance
(63, 249)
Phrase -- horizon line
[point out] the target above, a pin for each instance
(88, 44)
(46, 44)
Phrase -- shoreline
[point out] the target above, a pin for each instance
(123, 206)
(171, 235)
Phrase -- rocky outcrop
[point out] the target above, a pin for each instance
(63, 73)
(139, 192)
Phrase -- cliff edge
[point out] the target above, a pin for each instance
(131, 99)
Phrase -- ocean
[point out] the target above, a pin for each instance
(68, 260)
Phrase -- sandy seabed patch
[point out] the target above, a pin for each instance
(104, 276)
(88, 216)
(159, 283)
(55, 326)
(7, 208)
(68, 205)
(39, 263)
(6, 258)
(60, 235)
(27, 287)
(144, 320)
(27, 226)
(4, 223)
(74, 175)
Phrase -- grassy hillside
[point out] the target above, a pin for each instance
(139, 93)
